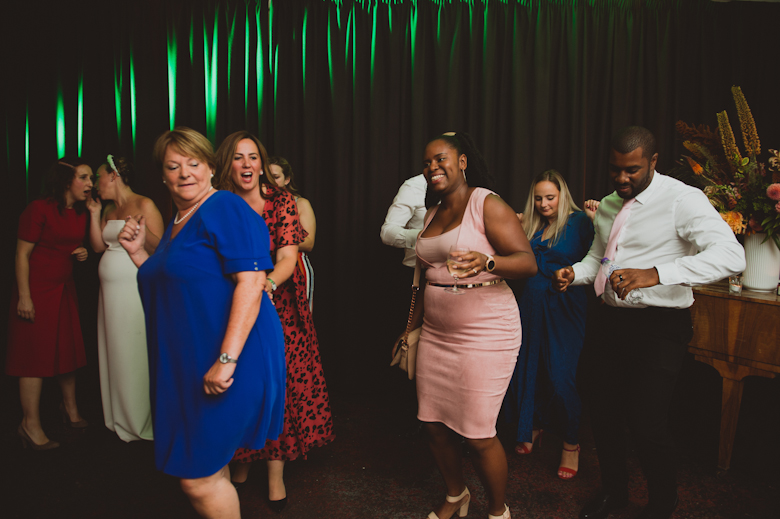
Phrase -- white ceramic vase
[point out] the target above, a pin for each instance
(763, 263)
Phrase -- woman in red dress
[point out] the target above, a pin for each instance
(44, 333)
(242, 168)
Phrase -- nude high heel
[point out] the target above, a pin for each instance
(505, 515)
(464, 496)
(27, 441)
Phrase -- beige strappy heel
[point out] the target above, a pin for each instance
(505, 515)
(464, 496)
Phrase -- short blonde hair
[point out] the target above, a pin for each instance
(187, 142)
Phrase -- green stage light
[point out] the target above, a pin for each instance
(118, 98)
(330, 56)
(259, 67)
(246, 61)
(81, 112)
(210, 66)
(231, 37)
(373, 47)
(60, 121)
(172, 57)
(27, 154)
(303, 43)
(132, 99)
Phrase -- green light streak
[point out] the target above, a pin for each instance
(246, 62)
(60, 121)
(118, 98)
(231, 36)
(413, 21)
(438, 25)
(259, 66)
(276, 77)
(373, 48)
(192, 37)
(390, 18)
(81, 112)
(210, 68)
(271, 64)
(303, 43)
(172, 57)
(132, 98)
(354, 47)
(346, 46)
(485, 32)
(330, 57)
(26, 154)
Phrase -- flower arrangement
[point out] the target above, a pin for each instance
(744, 190)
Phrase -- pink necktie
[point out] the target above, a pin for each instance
(601, 278)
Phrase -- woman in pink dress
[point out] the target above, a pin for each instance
(44, 333)
(469, 342)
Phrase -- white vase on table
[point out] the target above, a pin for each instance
(763, 263)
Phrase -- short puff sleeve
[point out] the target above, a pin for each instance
(281, 215)
(239, 235)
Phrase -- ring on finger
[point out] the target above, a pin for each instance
(620, 276)
(475, 271)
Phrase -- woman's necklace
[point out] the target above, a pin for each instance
(177, 220)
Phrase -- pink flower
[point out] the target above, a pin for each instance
(773, 191)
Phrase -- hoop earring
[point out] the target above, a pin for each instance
(463, 171)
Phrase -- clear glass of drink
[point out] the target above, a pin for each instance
(735, 284)
(456, 268)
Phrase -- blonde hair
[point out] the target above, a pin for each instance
(186, 141)
(533, 222)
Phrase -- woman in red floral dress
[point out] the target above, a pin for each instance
(241, 161)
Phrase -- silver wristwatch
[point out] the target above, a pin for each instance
(225, 358)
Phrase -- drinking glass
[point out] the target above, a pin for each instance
(456, 268)
(735, 284)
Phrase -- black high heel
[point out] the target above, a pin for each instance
(81, 424)
(278, 506)
(27, 441)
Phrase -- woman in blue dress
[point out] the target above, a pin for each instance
(553, 322)
(216, 350)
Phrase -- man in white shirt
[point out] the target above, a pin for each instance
(405, 218)
(672, 238)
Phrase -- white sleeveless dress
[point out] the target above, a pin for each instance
(124, 364)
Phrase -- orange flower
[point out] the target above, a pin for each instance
(695, 166)
(735, 221)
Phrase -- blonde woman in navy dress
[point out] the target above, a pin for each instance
(216, 349)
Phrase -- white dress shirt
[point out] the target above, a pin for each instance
(406, 217)
(669, 222)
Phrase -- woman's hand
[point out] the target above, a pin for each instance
(25, 309)
(269, 288)
(132, 238)
(473, 261)
(591, 206)
(93, 205)
(219, 378)
(80, 253)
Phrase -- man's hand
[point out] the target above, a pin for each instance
(625, 280)
(563, 278)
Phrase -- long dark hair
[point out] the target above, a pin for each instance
(58, 181)
(225, 153)
(477, 173)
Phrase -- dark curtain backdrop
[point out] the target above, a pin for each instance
(350, 93)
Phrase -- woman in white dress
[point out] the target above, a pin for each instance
(124, 365)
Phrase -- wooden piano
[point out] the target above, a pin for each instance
(738, 335)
